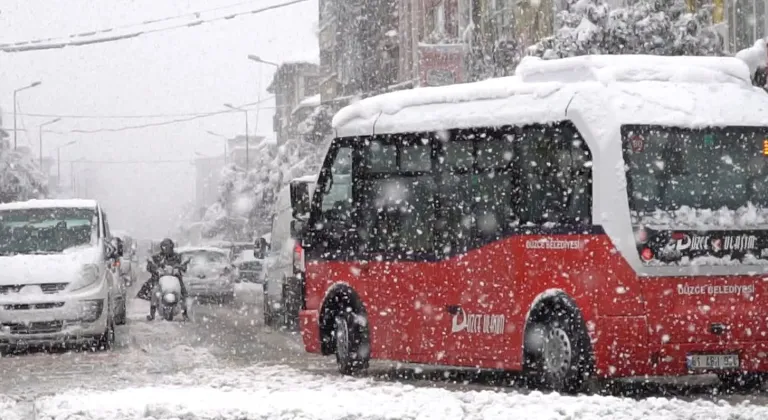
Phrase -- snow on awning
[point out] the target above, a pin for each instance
(308, 102)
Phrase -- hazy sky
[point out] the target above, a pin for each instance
(189, 70)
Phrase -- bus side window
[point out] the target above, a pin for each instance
(497, 191)
(557, 170)
(397, 205)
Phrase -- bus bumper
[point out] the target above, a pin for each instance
(622, 349)
(310, 330)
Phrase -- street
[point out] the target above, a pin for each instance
(230, 345)
(218, 337)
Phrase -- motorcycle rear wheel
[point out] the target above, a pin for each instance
(167, 312)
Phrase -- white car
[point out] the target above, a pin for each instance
(60, 282)
(210, 275)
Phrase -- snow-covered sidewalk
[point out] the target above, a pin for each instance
(264, 392)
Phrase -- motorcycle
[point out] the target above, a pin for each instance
(166, 295)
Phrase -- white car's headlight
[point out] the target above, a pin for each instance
(88, 275)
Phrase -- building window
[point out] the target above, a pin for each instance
(435, 22)
(747, 22)
(503, 18)
(465, 19)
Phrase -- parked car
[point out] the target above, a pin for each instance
(244, 255)
(285, 264)
(129, 262)
(210, 274)
(60, 281)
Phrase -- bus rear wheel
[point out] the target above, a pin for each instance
(557, 354)
(352, 347)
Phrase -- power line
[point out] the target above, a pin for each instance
(157, 124)
(120, 117)
(38, 45)
(131, 25)
(129, 162)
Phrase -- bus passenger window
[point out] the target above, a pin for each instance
(398, 214)
(557, 167)
(382, 158)
(416, 158)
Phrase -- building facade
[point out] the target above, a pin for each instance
(370, 47)
(292, 84)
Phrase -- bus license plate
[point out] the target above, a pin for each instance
(713, 361)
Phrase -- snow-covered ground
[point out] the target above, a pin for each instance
(226, 364)
(279, 392)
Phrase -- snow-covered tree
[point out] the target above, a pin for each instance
(662, 27)
(756, 58)
(246, 200)
(20, 176)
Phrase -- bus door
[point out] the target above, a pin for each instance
(398, 216)
(475, 199)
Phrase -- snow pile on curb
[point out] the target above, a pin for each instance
(9, 409)
(284, 393)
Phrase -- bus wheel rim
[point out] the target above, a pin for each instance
(558, 352)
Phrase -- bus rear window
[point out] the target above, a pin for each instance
(683, 176)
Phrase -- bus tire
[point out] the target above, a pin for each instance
(560, 359)
(741, 381)
(351, 343)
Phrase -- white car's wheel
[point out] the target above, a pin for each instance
(106, 341)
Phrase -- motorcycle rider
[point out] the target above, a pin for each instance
(166, 256)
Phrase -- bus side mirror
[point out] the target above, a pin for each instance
(300, 199)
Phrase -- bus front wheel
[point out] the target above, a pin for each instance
(352, 347)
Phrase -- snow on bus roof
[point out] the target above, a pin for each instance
(187, 249)
(680, 91)
(393, 102)
(45, 204)
(635, 68)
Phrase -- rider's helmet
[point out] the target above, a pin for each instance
(166, 247)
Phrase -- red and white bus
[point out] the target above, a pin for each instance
(590, 217)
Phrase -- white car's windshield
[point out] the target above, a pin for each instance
(204, 260)
(45, 230)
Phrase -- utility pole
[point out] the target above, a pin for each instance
(15, 110)
(41, 138)
(58, 162)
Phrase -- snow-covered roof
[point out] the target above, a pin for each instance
(308, 102)
(678, 91)
(186, 249)
(311, 56)
(44, 204)
(306, 178)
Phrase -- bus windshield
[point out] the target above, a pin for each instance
(714, 177)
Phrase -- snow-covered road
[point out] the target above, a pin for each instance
(281, 392)
(219, 336)
(227, 364)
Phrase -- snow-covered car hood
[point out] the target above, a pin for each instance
(53, 268)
